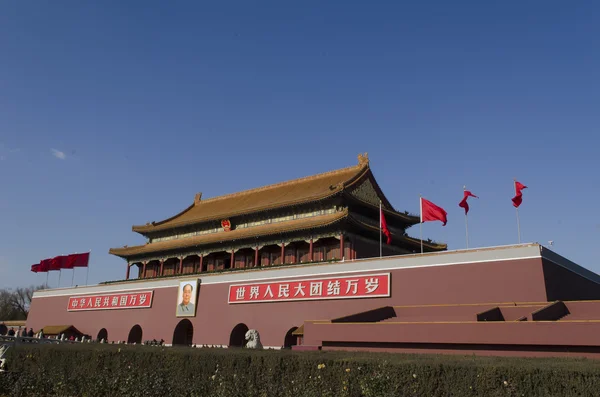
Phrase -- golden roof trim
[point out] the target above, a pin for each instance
(281, 184)
(58, 329)
(13, 323)
(299, 331)
(426, 243)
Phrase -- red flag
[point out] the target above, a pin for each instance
(518, 199)
(431, 212)
(70, 261)
(463, 203)
(57, 262)
(45, 265)
(35, 268)
(78, 260)
(384, 228)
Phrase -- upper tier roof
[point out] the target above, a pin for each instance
(296, 191)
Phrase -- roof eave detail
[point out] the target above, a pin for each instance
(410, 240)
(128, 252)
(410, 220)
(149, 227)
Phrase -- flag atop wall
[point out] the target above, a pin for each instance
(463, 203)
(44, 265)
(384, 228)
(518, 199)
(432, 212)
(57, 262)
(77, 260)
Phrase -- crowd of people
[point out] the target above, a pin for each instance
(24, 333)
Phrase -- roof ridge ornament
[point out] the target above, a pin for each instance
(363, 159)
(198, 198)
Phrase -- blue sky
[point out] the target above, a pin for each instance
(117, 113)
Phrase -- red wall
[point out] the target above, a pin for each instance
(562, 284)
(487, 282)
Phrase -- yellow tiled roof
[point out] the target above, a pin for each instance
(58, 329)
(287, 193)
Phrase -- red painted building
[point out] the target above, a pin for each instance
(299, 261)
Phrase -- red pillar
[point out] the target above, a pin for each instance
(310, 251)
(232, 264)
(341, 246)
(201, 260)
(181, 265)
(127, 275)
(256, 257)
(144, 270)
(282, 253)
(162, 262)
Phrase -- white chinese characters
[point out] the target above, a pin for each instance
(371, 284)
(113, 301)
(362, 286)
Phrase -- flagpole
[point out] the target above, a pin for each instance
(421, 223)
(466, 221)
(380, 231)
(47, 273)
(88, 270)
(59, 274)
(518, 221)
(73, 275)
(467, 229)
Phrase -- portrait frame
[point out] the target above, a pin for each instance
(189, 309)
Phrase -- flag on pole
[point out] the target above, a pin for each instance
(45, 265)
(384, 228)
(518, 199)
(77, 260)
(463, 203)
(69, 262)
(57, 262)
(35, 268)
(81, 260)
(432, 212)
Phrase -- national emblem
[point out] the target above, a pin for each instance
(226, 225)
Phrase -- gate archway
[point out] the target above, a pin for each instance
(290, 340)
(103, 334)
(184, 333)
(238, 336)
(135, 335)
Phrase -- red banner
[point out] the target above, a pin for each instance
(134, 300)
(363, 286)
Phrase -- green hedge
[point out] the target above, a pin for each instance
(119, 370)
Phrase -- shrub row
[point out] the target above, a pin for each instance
(113, 370)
